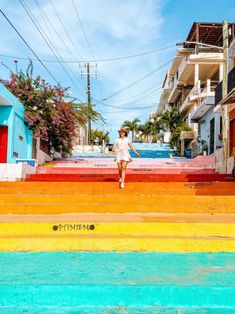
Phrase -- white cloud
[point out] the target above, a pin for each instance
(113, 27)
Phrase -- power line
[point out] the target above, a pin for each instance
(87, 41)
(97, 60)
(125, 108)
(139, 80)
(129, 110)
(135, 100)
(44, 16)
(52, 26)
(46, 39)
(38, 59)
(83, 31)
(156, 88)
(61, 22)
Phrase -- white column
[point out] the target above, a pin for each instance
(196, 73)
(221, 68)
(208, 86)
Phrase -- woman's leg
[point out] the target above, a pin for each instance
(124, 165)
(120, 169)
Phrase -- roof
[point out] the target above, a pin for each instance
(208, 33)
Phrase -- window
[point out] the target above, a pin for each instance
(177, 74)
(221, 125)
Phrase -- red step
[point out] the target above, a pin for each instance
(73, 170)
(140, 177)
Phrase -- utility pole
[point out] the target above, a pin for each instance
(88, 74)
(225, 118)
(88, 105)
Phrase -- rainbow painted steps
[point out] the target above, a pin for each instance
(154, 247)
(160, 217)
(200, 169)
(117, 283)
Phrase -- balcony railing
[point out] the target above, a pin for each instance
(231, 80)
(199, 91)
(219, 88)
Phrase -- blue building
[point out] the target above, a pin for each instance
(16, 139)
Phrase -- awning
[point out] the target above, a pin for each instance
(202, 109)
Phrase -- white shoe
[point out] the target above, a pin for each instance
(122, 185)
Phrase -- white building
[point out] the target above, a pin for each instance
(190, 83)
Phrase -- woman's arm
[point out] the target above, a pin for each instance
(133, 149)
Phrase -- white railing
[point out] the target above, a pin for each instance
(198, 92)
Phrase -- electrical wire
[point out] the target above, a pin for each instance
(137, 81)
(124, 108)
(44, 16)
(83, 31)
(38, 59)
(142, 94)
(136, 100)
(65, 30)
(46, 39)
(97, 60)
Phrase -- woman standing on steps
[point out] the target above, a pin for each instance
(123, 157)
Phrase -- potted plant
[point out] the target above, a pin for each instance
(204, 147)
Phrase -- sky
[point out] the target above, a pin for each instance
(96, 31)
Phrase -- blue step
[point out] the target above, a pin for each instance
(117, 283)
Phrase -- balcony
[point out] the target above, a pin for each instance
(219, 88)
(198, 92)
(190, 67)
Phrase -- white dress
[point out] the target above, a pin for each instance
(121, 147)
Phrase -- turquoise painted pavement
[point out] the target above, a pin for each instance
(117, 283)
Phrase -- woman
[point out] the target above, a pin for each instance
(123, 157)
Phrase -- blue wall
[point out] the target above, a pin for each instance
(20, 138)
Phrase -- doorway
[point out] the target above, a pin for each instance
(3, 143)
(232, 136)
(212, 136)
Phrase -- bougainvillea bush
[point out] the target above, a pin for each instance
(48, 113)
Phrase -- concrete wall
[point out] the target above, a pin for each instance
(231, 55)
(205, 128)
(20, 139)
(15, 172)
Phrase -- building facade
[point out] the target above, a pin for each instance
(16, 139)
(190, 84)
(228, 101)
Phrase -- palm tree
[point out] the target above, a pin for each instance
(146, 130)
(151, 127)
(95, 116)
(132, 126)
(171, 119)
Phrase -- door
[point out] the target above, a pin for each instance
(232, 136)
(3, 143)
(212, 136)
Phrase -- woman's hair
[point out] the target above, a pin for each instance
(125, 135)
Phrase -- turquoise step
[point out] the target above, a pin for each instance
(117, 283)
(113, 310)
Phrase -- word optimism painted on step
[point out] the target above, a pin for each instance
(73, 227)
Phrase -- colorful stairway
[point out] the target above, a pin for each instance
(89, 247)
